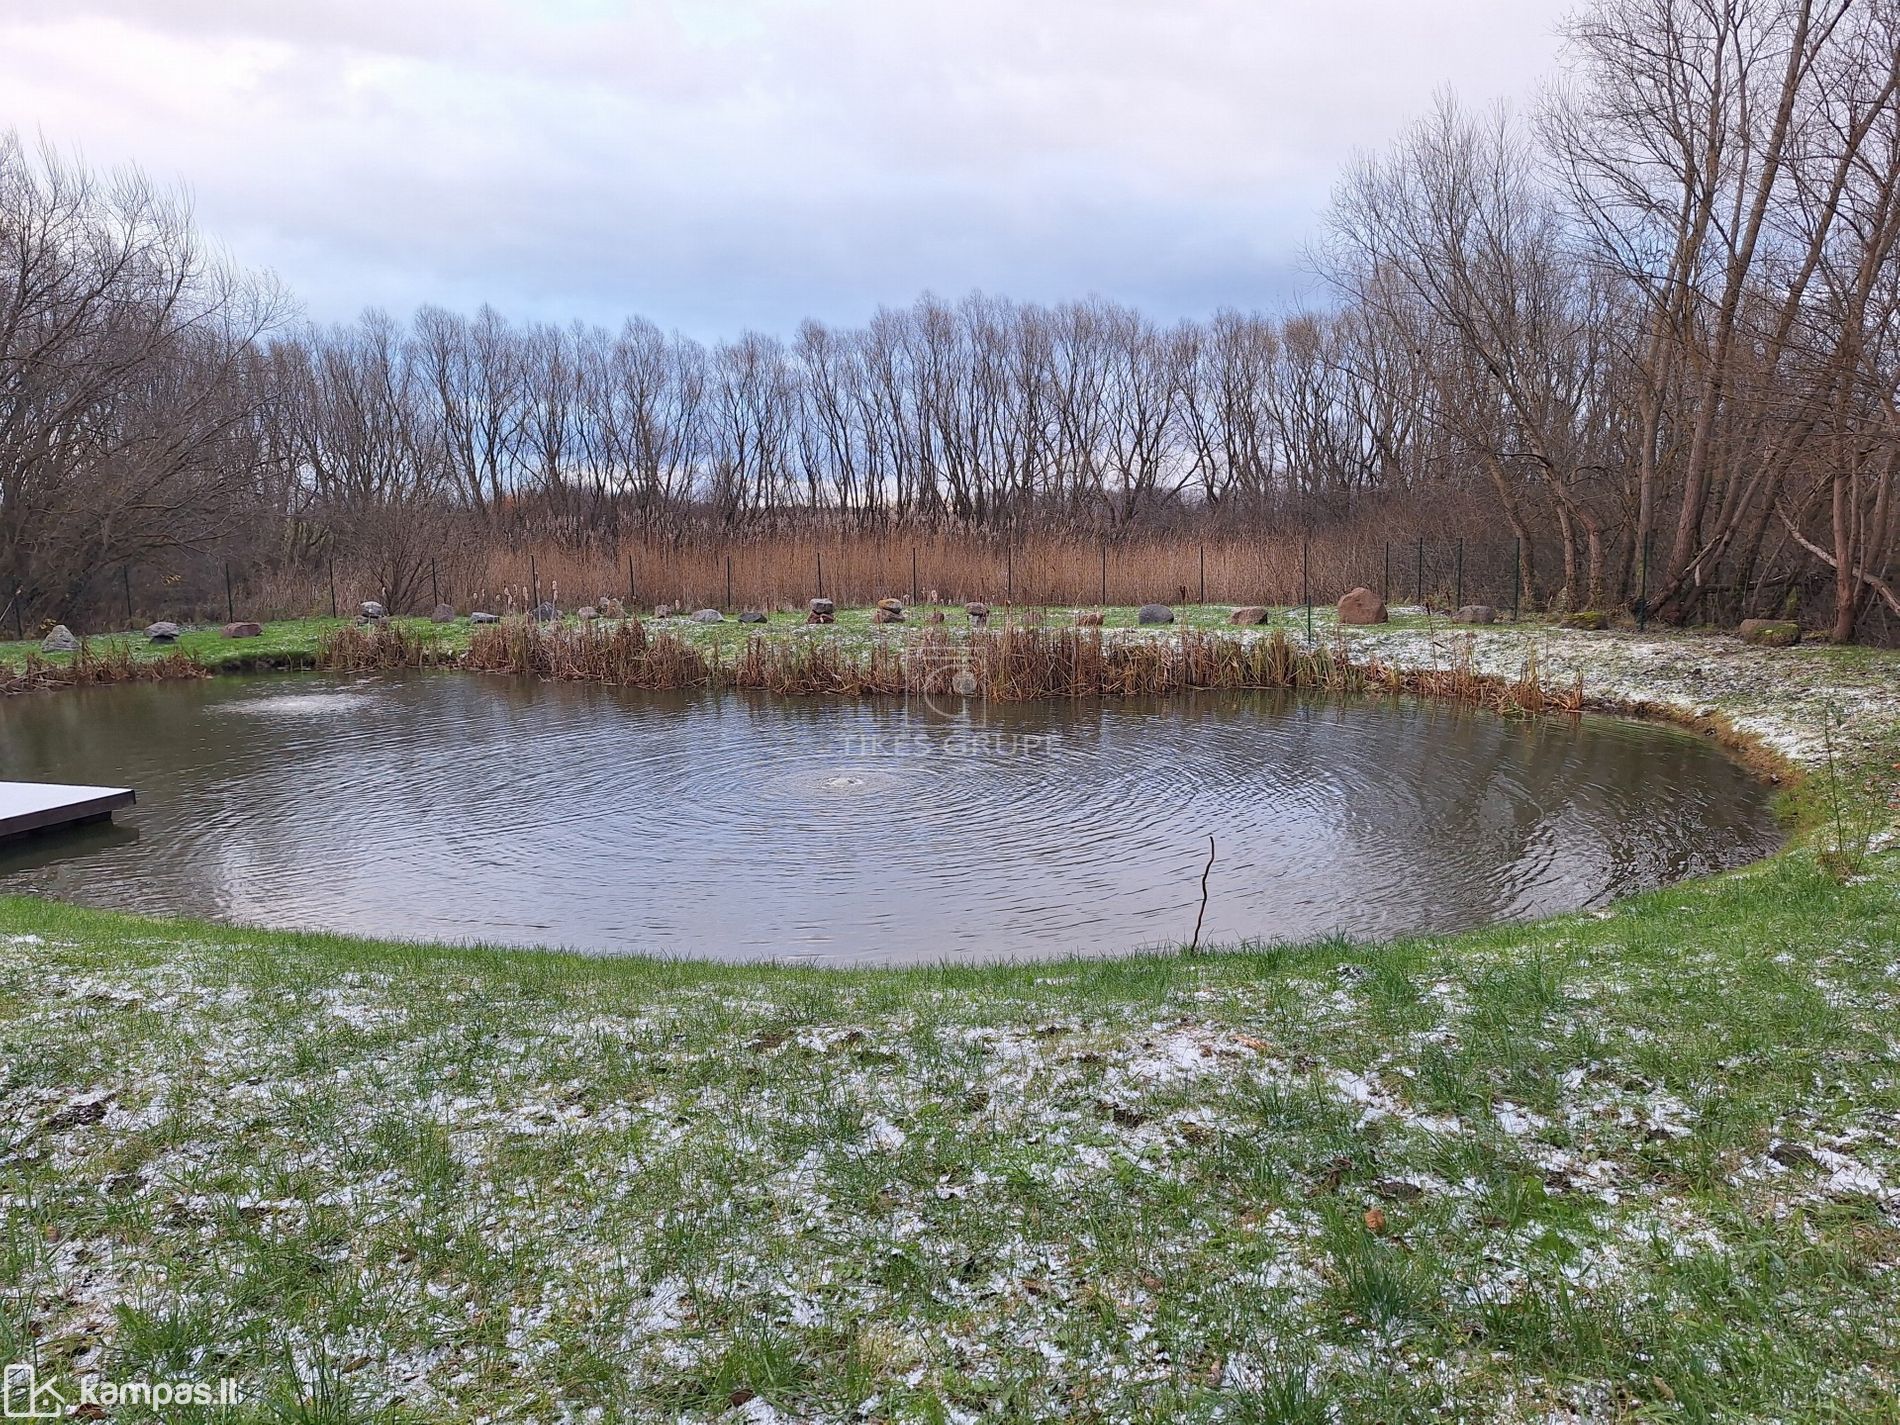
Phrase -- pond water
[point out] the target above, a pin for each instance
(456, 807)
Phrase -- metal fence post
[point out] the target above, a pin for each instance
(1458, 599)
(1306, 590)
(728, 581)
(534, 586)
(821, 573)
(1517, 574)
(230, 601)
(332, 566)
(1203, 598)
(1104, 573)
(435, 589)
(913, 574)
(1418, 590)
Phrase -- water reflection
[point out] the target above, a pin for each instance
(456, 807)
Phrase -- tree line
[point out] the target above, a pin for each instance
(1651, 328)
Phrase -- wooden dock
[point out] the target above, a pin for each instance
(27, 807)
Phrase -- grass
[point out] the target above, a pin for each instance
(1638, 1164)
(296, 641)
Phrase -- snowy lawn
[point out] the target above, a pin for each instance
(1642, 1163)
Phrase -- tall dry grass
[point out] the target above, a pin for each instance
(783, 571)
(1379, 549)
(96, 664)
(1010, 664)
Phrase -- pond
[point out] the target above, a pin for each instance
(455, 807)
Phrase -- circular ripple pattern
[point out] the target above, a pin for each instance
(451, 807)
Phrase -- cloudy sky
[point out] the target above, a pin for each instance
(717, 164)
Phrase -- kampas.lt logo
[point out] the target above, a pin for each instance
(24, 1396)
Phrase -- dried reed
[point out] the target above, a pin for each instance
(1008, 664)
(95, 664)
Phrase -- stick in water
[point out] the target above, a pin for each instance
(1196, 944)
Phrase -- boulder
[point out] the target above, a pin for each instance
(977, 611)
(1088, 618)
(373, 610)
(1475, 613)
(1591, 619)
(164, 631)
(544, 612)
(587, 613)
(443, 614)
(1361, 606)
(59, 639)
(709, 616)
(484, 618)
(663, 611)
(242, 630)
(1154, 613)
(612, 608)
(893, 606)
(1770, 632)
(880, 614)
(1249, 616)
(823, 606)
(754, 616)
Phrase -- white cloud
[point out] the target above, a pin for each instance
(715, 163)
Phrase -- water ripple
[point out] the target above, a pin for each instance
(487, 809)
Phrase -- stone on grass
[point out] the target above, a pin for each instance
(754, 616)
(373, 610)
(1249, 616)
(443, 614)
(59, 639)
(612, 608)
(544, 612)
(822, 611)
(895, 606)
(164, 631)
(1154, 613)
(709, 616)
(1088, 618)
(1770, 632)
(242, 630)
(1475, 613)
(977, 611)
(587, 613)
(880, 614)
(1361, 606)
(480, 617)
(1592, 620)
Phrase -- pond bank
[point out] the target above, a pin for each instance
(1642, 1161)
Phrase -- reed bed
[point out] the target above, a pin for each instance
(362, 648)
(96, 664)
(1010, 664)
(782, 570)
(620, 652)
